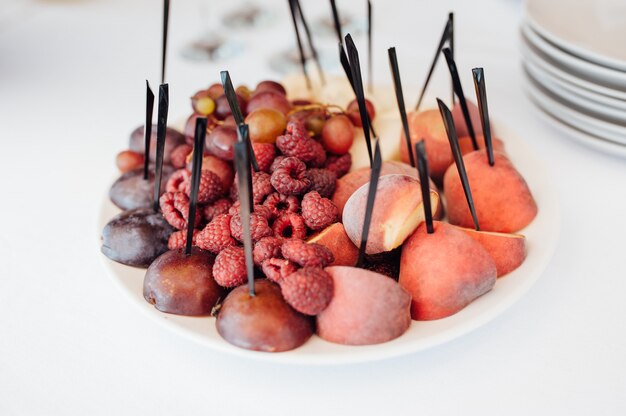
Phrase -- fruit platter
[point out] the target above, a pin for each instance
(315, 223)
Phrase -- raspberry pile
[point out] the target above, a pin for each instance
(291, 195)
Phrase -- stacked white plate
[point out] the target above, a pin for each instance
(574, 56)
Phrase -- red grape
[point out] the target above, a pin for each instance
(221, 140)
(355, 115)
(266, 124)
(338, 134)
(270, 86)
(269, 99)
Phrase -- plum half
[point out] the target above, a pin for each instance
(264, 322)
(131, 191)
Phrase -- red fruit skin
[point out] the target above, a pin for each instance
(128, 160)
(355, 115)
(269, 99)
(338, 135)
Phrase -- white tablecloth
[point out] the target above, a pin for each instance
(71, 90)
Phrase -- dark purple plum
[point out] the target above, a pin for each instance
(136, 237)
(131, 191)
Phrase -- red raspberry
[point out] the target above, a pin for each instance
(276, 163)
(258, 209)
(289, 225)
(297, 143)
(276, 269)
(175, 208)
(323, 181)
(289, 178)
(210, 187)
(229, 269)
(266, 248)
(221, 206)
(178, 180)
(317, 212)
(259, 227)
(178, 157)
(178, 239)
(279, 204)
(339, 164)
(307, 254)
(308, 290)
(261, 187)
(215, 237)
(265, 154)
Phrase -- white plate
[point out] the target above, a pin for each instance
(576, 66)
(594, 128)
(542, 235)
(591, 29)
(610, 114)
(547, 78)
(532, 54)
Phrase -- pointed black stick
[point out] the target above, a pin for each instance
(309, 38)
(397, 84)
(166, 20)
(458, 89)
(422, 170)
(345, 64)
(370, 65)
(231, 96)
(445, 36)
(369, 207)
(451, 46)
(355, 68)
(336, 20)
(242, 165)
(196, 171)
(458, 158)
(481, 96)
(292, 8)
(164, 102)
(147, 129)
(243, 135)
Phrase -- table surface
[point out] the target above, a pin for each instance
(71, 82)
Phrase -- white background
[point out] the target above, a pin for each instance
(71, 90)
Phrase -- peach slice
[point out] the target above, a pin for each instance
(397, 212)
(349, 183)
(428, 125)
(459, 120)
(334, 237)
(507, 250)
(501, 196)
(367, 308)
(444, 271)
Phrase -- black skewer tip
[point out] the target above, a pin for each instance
(243, 135)
(483, 108)
(166, 19)
(231, 96)
(445, 36)
(451, 45)
(292, 9)
(458, 89)
(397, 84)
(355, 68)
(446, 115)
(160, 147)
(147, 129)
(242, 165)
(345, 64)
(196, 172)
(369, 207)
(422, 170)
(370, 54)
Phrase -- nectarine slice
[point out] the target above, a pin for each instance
(334, 237)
